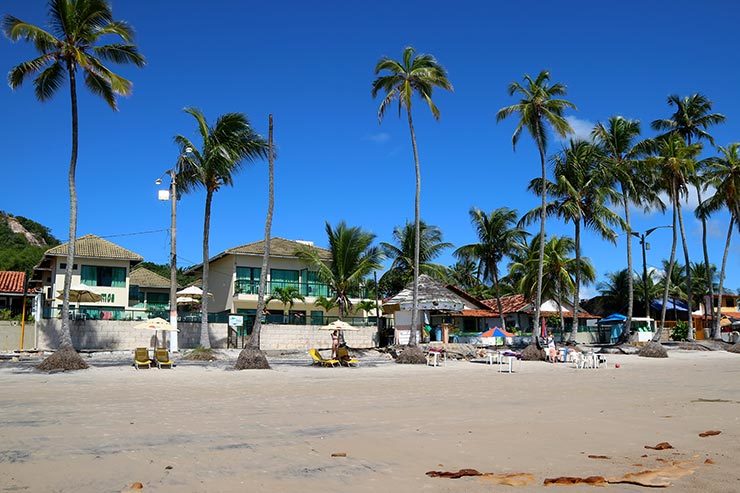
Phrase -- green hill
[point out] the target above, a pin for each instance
(22, 242)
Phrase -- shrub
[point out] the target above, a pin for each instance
(680, 331)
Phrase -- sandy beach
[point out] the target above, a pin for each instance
(205, 428)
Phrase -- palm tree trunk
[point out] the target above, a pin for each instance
(630, 283)
(417, 200)
(710, 284)
(205, 340)
(254, 338)
(65, 336)
(717, 329)
(689, 290)
(541, 259)
(577, 294)
(667, 279)
(496, 287)
(560, 308)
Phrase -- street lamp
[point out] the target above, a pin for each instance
(172, 196)
(645, 246)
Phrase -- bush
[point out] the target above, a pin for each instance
(653, 350)
(680, 331)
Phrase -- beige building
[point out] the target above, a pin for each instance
(149, 291)
(234, 277)
(100, 265)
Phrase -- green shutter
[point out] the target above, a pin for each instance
(89, 275)
(118, 277)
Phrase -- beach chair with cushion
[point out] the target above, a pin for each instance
(162, 357)
(320, 360)
(141, 358)
(344, 357)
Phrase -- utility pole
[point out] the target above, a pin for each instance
(645, 246)
(173, 259)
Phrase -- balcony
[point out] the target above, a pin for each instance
(310, 288)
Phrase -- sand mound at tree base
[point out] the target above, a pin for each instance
(200, 354)
(533, 353)
(412, 356)
(735, 348)
(252, 359)
(653, 350)
(65, 359)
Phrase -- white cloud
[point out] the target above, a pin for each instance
(689, 203)
(378, 138)
(581, 129)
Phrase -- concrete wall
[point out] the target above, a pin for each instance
(305, 337)
(115, 335)
(10, 336)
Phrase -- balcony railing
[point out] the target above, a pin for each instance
(310, 288)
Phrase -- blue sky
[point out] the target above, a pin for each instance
(310, 64)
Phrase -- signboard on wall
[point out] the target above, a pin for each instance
(236, 320)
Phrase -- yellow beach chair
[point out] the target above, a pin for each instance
(344, 357)
(162, 356)
(319, 360)
(141, 358)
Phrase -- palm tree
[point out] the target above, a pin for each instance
(464, 273)
(328, 304)
(365, 306)
(701, 276)
(352, 260)
(498, 235)
(619, 154)
(225, 147)
(615, 290)
(76, 28)
(673, 161)
(675, 282)
(579, 193)
(403, 250)
(559, 271)
(401, 80)
(723, 172)
(252, 357)
(538, 108)
(690, 121)
(287, 295)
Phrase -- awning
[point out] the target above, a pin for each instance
(614, 318)
(678, 305)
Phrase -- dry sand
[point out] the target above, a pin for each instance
(199, 428)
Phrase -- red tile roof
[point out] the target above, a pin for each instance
(509, 304)
(12, 282)
(477, 313)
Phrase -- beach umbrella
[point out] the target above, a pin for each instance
(156, 324)
(339, 325)
(192, 292)
(187, 300)
(80, 293)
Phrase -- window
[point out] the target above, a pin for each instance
(280, 278)
(313, 285)
(63, 266)
(94, 275)
(248, 280)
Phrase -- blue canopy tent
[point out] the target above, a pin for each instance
(617, 323)
(672, 305)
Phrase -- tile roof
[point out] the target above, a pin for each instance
(12, 282)
(509, 304)
(92, 246)
(145, 278)
(478, 313)
(518, 303)
(279, 247)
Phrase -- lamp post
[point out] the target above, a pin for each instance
(173, 246)
(645, 246)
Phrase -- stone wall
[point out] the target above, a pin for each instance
(114, 335)
(305, 337)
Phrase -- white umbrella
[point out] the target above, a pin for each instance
(156, 324)
(339, 325)
(193, 292)
(187, 300)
